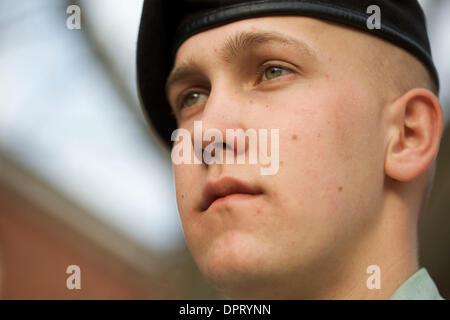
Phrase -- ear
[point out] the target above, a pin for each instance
(416, 124)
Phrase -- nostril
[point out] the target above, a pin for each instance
(212, 147)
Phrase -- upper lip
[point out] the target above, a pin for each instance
(222, 188)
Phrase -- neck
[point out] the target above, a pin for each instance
(389, 244)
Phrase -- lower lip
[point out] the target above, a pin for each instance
(233, 198)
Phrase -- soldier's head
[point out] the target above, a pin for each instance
(359, 126)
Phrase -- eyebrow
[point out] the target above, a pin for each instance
(235, 46)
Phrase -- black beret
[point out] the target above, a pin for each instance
(166, 24)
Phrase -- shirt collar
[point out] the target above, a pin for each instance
(419, 286)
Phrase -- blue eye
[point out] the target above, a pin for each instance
(274, 72)
(193, 98)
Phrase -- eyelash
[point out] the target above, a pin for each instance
(263, 69)
(182, 97)
(260, 73)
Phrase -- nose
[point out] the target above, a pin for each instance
(222, 127)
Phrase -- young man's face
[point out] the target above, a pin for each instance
(322, 202)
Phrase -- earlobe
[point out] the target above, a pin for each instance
(416, 125)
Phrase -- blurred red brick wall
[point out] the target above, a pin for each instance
(36, 250)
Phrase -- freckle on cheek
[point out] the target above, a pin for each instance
(340, 188)
(182, 196)
(294, 137)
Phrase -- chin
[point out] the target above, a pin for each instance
(236, 265)
(251, 283)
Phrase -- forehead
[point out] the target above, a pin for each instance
(321, 40)
(222, 44)
(291, 27)
(233, 44)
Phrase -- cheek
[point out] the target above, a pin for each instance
(188, 179)
(327, 147)
(185, 177)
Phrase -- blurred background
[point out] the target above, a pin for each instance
(83, 180)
